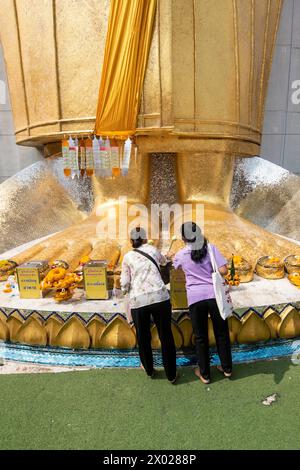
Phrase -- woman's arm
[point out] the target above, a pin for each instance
(161, 259)
(125, 279)
(220, 260)
(223, 270)
(177, 261)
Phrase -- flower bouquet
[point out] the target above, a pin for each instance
(232, 277)
(242, 268)
(61, 282)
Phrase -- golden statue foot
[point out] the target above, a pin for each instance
(200, 183)
(229, 232)
(235, 235)
(196, 184)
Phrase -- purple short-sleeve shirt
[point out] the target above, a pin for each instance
(198, 276)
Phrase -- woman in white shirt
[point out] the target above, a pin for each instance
(148, 297)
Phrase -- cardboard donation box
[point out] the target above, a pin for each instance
(95, 280)
(29, 277)
(177, 290)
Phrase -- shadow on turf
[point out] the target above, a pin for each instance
(277, 368)
(187, 375)
(240, 371)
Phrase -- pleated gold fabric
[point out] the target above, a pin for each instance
(127, 48)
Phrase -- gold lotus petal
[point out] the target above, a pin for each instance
(32, 332)
(234, 325)
(178, 338)
(4, 331)
(177, 335)
(73, 334)
(14, 323)
(186, 329)
(155, 341)
(95, 327)
(272, 319)
(289, 326)
(253, 329)
(3, 317)
(53, 325)
(118, 334)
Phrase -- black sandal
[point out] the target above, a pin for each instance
(226, 374)
(173, 382)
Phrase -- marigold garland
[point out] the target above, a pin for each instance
(62, 282)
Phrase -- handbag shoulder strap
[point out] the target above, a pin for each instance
(212, 258)
(147, 256)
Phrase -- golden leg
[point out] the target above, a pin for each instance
(206, 179)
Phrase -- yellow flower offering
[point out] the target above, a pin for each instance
(7, 268)
(63, 295)
(85, 259)
(294, 278)
(62, 282)
(273, 260)
(53, 276)
(233, 277)
(242, 271)
(237, 259)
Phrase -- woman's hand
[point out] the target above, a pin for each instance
(170, 255)
(223, 270)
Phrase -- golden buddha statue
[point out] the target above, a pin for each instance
(203, 99)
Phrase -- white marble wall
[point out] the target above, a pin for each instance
(13, 158)
(281, 133)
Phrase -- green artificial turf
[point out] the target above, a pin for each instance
(124, 409)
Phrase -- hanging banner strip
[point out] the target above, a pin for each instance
(126, 54)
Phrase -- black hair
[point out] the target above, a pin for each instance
(191, 233)
(137, 237)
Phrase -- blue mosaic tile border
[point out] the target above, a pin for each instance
(129, 358)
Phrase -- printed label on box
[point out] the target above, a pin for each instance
(95, 282)
(178, 290)
(29, 283)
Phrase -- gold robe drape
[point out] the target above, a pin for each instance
(126, 53)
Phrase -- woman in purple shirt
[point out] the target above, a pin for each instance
(194, 260)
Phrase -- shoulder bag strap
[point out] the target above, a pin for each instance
(212, 258)
(149, 257)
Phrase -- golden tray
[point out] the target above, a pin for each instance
(7, 268)
(294, 278)
(270, 267)
(292, 264)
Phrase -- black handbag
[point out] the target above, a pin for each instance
(163, 270)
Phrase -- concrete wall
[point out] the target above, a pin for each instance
(281, 133)
(13, 158)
